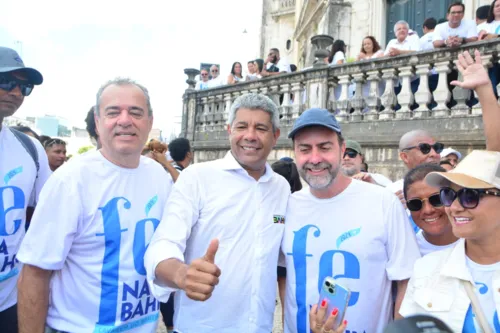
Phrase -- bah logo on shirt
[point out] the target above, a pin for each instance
(280, 219)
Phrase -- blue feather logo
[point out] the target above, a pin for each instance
(151, 203)
(11, 174)
(347, 235)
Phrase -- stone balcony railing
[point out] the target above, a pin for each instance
(369, 117)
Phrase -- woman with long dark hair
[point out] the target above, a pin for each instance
(337, 54)
(492, 29)
(236, 74)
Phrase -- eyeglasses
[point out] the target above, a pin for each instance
(204, 74)
(9, 84)
(467, 197)
(456, 13)
(425, 148)
(52, 142)
(351, 153)
(416, 204)
(214, 70)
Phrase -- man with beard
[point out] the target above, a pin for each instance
(274, 65)
(356, 232)
(352, 164)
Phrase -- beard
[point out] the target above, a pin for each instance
(350, 171)
(319, 182)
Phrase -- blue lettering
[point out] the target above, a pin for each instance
(128, 290)
(138, 310)
(299, 256)
(111, 261)
(152, 303)
(351, 270)
(18, 196)
(144, 290)
(3, 248)
(7, 263)
(126, 312)
(140, 246)
(496, 322)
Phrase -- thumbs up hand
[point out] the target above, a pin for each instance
(202, 275)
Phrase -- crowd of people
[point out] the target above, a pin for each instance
(448, 32)
(114, 233)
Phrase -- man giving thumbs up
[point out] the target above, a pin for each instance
(224, 216)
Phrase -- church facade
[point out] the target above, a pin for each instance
(289, 24)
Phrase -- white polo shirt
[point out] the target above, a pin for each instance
(409, 44)
(466, 29)
(219, 199)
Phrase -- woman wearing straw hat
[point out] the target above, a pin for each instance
(461, 285)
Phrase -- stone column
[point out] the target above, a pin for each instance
(423, 96)
(405, 97)
(332, 101)
(357, 102)
(460, 95)
(388, 99)
(227, 108)
(297, 89)
(204, 116)
(442, 94)
(219, 111)
(373, 99)
(285, 106)
(343, 102)
(317, 93)
(487, 63)
(274, 94)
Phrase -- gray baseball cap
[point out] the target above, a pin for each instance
(10, 61)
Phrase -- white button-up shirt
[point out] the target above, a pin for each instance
(436, 288)
(218, 199)
(409, 44)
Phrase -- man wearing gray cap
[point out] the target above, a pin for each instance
(352, 163)
(23, 170)
(355, 232)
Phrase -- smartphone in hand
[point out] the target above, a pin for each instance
(337, 296)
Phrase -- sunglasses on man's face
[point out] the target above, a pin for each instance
(425, 148)
(351, 153)
(214, 70)
(8, 84)
(416, 204)
(467, 197)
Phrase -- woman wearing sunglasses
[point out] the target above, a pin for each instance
(461, 285)
(427, 211)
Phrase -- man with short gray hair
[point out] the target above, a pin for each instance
(92, 226)
(220, 235)
(402, 44)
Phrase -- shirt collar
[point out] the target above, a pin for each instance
(230, 163)
(456, 264)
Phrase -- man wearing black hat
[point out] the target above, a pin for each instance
(355, 232)
(23, 170)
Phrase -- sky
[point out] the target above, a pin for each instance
(79, 45)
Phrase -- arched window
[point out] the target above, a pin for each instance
(414, 12)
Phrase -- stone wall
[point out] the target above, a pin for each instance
(379, 140)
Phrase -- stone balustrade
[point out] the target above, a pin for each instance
(361, 94)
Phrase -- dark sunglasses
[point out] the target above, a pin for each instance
(214, 70)
(425, 148)
(351, 153)
(467, 197)
(9, 84)
(52, 142)
(416, 204)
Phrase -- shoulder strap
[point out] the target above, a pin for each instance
(28, 145)
(476, 307)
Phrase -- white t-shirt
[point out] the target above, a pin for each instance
(362, 238)
(492, 28)
(466, 29)
(483, 26)
(217, 82)
(92, 226)
(426, 247)
(339, 55)
(381, 179)
(426, 41)
(18, 183)
(483, 277)
(200, 85)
